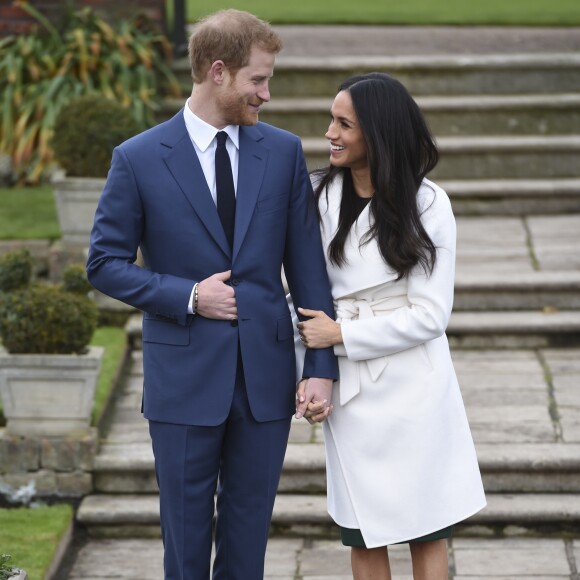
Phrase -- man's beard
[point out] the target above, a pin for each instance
(234, 109)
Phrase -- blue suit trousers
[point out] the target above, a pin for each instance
(241, 459)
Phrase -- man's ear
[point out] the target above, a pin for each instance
(218, 72)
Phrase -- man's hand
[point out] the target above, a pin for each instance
(216, 299)
(320, 331)
(313, 399)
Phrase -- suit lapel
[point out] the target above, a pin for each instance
(184, 165)
(251, 167)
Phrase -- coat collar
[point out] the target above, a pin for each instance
(184, 165)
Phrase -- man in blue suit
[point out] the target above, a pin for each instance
(218, 351)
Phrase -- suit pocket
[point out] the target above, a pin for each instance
(285, 328)
(162, 332)
(273, 203)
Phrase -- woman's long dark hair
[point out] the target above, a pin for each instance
(401, 152)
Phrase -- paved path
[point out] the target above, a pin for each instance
(295, 559)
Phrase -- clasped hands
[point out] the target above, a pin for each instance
(313, 395)
(313, 399)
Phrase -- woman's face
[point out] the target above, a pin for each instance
(347, 144)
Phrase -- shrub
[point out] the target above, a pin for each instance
(46, 318)
(6, 569)
(86, 131)
(45, 69)
(15, 273)
(75, 280)
(15, 270)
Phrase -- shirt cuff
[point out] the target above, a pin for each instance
(190, 309)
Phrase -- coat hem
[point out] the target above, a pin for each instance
(402, 539)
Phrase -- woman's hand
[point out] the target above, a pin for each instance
(320, 331)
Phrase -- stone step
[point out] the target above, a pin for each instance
(489, 291)
(511, 397)
(315, 76)
(506, 468)
(515, 263)
(306, 515)
(503, 197)
(517, 291)
(517, 330)
(488, 157)
(471, 558)
(446, 115)
(486, 329)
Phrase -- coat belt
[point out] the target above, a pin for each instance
(347, 310)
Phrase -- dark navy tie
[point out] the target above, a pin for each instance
(224, 184)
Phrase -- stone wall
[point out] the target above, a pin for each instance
(58, 466)
(14, 20)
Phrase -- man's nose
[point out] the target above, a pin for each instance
(264, 93)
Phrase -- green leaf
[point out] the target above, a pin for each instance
(39, 17)
(39, 73)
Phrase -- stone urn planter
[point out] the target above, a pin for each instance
(48, 373)
(49, 394)
(86, 131)
(76, 201)
(22, 575)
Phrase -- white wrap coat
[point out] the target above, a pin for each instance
(401, 462)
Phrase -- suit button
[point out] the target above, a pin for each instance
(234, 323)
(235, 281)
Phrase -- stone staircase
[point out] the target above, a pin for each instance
(496, 117)
(508, 127)
(524, 411)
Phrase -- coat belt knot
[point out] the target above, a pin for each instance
(347, 310)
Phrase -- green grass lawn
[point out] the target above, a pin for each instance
(505, 12)
(31, 536)
(115, 342)
(28, 213)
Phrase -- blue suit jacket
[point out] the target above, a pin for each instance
(156, 198)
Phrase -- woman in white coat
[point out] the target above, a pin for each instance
(401, 465)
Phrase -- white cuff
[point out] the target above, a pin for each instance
(190, 309)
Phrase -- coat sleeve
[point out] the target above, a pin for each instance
(114, 242)
(430, 297)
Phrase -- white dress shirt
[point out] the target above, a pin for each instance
(203, 138)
